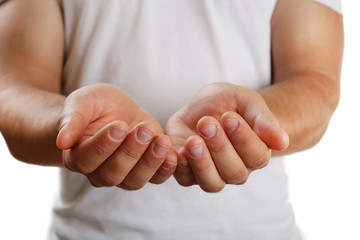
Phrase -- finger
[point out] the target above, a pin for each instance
(166, 170)
(71, 129)
(227, 160)
(114, 170)
(183, 173)
(267, 128)
(149, 163)
(90, 154)
(202, 165)
(76, 116)
(256, 113)
(252, 150)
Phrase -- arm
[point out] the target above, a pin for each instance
(226, 131)
(101, 131)
(31, 46)
(307, 48)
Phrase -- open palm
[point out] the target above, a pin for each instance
(221, 135)
(106, 136)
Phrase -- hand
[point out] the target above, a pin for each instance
(222, 134)
(106, 136)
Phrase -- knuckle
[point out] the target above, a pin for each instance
(68, 164)
(213, 188)
(131, 154)
(244, 140)
(81, 167)
(186, 183)
(236, 176)
(119, 166)
(151, 163)
(219, 147)
(242, 181)
(260, 160)
(107, 180)
(157, 181)
(202, 167)
(159, 178)
(185, 180)
(93, 183)
(162, 174)
(130, 186)
(68, 161)
(101, 150)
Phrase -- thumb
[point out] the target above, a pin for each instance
(263, 122)
(267, 127)
(71, 130)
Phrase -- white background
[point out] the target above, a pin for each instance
(324, 181)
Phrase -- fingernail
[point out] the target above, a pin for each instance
(160, 150)
(144, 135)
(231, 124)
(169, 165)
(183, 161)
(208, 131)
(117, 134)
(196, 151)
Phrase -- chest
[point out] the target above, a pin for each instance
(167, 49)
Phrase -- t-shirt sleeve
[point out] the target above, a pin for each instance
(334, 4)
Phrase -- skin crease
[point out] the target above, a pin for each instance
(301, 100)
(90, 116)
(256, 133)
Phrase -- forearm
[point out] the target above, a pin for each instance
(29, 119)
(307, 46)
(303, 105)
(31, 59)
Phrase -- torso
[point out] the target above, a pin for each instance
(161, 52)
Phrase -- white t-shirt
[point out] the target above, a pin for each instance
(161, 52)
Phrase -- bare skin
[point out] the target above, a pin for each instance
(223, 134)
(106, 136)
(225, 131)
(98, 131)
(216, 144)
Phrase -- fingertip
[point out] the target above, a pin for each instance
(166, 140)
(228, 114)
(276, 139)
(206, 120)
(160, 150)
(192, 141)
(170, 162)
(70, 129)
(182, 159)
(117, 131)
(183, 172)
(145, 132)
(230, 121)
(194, 147)
(267, 127)
(65, 138)
(162, 146)
(284, 140)
(166, 170)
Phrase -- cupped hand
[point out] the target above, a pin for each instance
(221, 135)
(106, 136)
